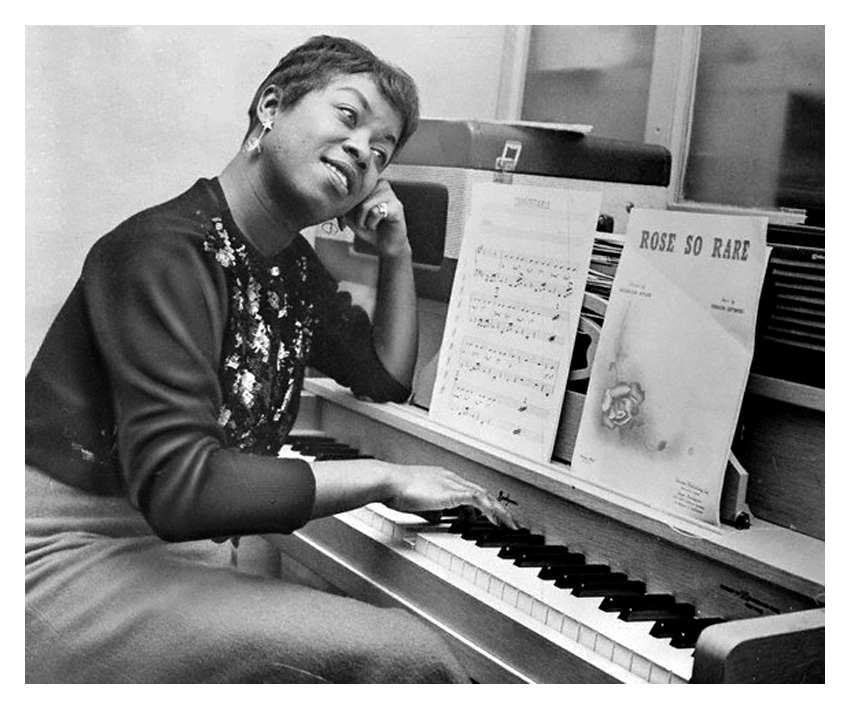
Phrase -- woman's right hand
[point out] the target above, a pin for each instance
(425, 488)
(343, 485)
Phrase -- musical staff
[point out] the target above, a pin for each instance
(533, 275)
(495, 411)
(518, 318)
(509, 368)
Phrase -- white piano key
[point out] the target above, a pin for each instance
(569, 628)
(497, 587)
(524, 602)
(658, 675)
(640, 667)
(604, 647)
(622, 656)
(587, 637)
(538, 610)
(554, 619)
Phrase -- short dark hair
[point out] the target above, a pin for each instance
(313, 65)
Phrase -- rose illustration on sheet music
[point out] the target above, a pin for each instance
(622, 411)
(621, 405)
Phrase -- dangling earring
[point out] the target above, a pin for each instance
(253, 145)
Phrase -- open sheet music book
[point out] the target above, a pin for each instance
(673, 360)
(513, 315)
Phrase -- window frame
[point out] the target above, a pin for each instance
(669, 114)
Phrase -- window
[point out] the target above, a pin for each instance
(591, 74)
(741, 107)
(757, 133)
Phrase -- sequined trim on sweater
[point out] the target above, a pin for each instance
(269, 332)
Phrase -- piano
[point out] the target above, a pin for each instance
(593, 588)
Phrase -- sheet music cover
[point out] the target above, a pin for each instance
(513, 315)
(673, 360)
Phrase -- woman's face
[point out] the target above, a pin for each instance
(323, 155)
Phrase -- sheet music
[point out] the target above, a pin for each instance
(513, 315)
(673, 360)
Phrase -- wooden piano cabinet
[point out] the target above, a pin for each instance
(755, 651)
(780, 441)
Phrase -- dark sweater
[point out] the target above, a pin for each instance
(172, 374)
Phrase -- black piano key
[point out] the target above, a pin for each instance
(464, 525)
(305, 447)
(609, 587)
(518, 548)
(530, 560)
(480, 532)
(579, 577)
(548, 550)
(463, 513)
(556, 570)
(461, 526)
(535, 551)
(688, 637)
(298, 437)
(318, 445)
(666, 628)
(617, 604)
(669, 628)
(340, 456)
(678, 611)
(509, 537)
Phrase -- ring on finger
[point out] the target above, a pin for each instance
(383, 210)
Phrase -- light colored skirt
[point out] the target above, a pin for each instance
(109, 601)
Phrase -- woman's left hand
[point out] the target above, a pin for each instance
(379, 220)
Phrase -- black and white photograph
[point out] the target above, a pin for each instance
(385, 354)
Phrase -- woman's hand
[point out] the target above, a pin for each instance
(343, 485)
(379, 220)
(420, 488)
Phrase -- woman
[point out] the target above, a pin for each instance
(170, 379)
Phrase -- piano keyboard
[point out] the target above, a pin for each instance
(587, 608)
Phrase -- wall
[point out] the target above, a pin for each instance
(120, 118)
